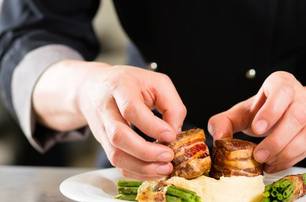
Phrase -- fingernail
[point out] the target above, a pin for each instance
(165, 156)
(211, 130)
(163, 169)
(261, 126)
(262, 155)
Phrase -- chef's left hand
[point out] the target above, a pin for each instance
(278, 112)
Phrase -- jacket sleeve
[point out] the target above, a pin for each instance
(35, 34)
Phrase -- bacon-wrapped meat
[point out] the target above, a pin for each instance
(287, 189)
(191, 157)
(234, 157)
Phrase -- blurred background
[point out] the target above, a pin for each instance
(14, 148)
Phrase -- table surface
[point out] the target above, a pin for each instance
(34, 184)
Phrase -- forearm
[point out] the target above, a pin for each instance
(34, 36)
(55, 96)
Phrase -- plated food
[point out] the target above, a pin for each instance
(234, 157)
(231, 174)
(286, 189)
(191, 154)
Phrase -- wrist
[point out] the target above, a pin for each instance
(55, 96)
(91, 89)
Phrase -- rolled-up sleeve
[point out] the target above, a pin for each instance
(30, 68)
(34, 34)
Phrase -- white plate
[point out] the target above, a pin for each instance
(99, 185)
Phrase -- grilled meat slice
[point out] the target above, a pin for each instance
(191, 154)
(234, 157)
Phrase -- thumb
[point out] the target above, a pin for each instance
(219, 126)
(237, 118)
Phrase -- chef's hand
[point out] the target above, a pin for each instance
(109, 99)
(278, 112)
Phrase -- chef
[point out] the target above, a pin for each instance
(234, 66)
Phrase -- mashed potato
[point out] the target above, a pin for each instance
(229, 189)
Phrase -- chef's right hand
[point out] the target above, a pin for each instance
(113, 98)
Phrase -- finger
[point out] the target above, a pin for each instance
(137, 176)
(286, 129)
(284, 166)
(95, 125)
(125, 161)
(290, 155)
(169, 103)
(123, 137)
(235, 119)
(279, 95)
(119, 158)
(132, 108)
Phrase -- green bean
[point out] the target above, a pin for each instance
(274, 192)
(266, 194)
(285, 184)
(198, 199)
(277, 184)
(279, 196)
(184, 190)
(287, 193)
(125, 183)
(128, 190)
(268, 187)
(172, 199)
(193, 194)
(131, 197)
(185, 196)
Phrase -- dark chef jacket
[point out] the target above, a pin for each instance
(217, 53)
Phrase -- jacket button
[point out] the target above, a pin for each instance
(250, 74)
(153, 66)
